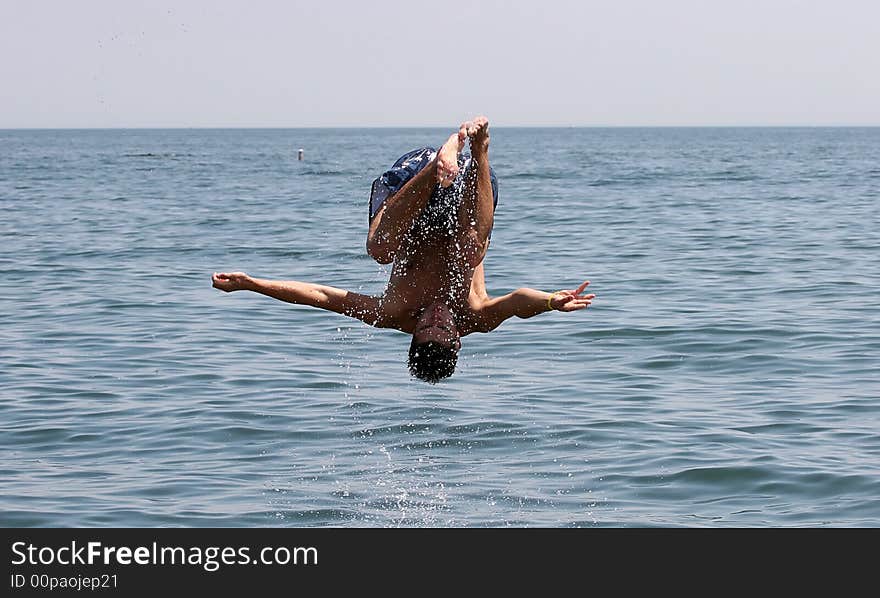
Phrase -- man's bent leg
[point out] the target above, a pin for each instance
(476, 214)
(396, 216)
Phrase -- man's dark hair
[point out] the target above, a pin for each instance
(430, 361)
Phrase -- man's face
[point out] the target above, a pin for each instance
(437, 324)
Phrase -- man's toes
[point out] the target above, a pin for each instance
(479, 127)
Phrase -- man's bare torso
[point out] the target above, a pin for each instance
(433, 269)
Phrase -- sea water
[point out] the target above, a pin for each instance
(726, 375)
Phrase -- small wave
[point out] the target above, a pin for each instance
(328, 173)
(488, 427)
(552, 176)
(731, 474)
(158, 155)
(316, 517)
(728, 176)
(392, 431)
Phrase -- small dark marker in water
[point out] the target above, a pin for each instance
(299, 154)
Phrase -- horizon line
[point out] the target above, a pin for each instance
(293, 127)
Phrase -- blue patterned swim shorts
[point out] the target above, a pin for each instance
(409, 165)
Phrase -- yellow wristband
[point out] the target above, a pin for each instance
(550, 298)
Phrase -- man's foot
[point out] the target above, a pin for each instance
(478, 132)
(447, 157)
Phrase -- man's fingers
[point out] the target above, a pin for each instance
(575, 305)
(581, 288)
(567, 295)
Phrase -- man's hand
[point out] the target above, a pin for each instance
(231, 281)
(571, 300)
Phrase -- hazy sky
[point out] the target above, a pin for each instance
(277, 63)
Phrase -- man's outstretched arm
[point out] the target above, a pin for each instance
(356, 305)
(525, 303)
